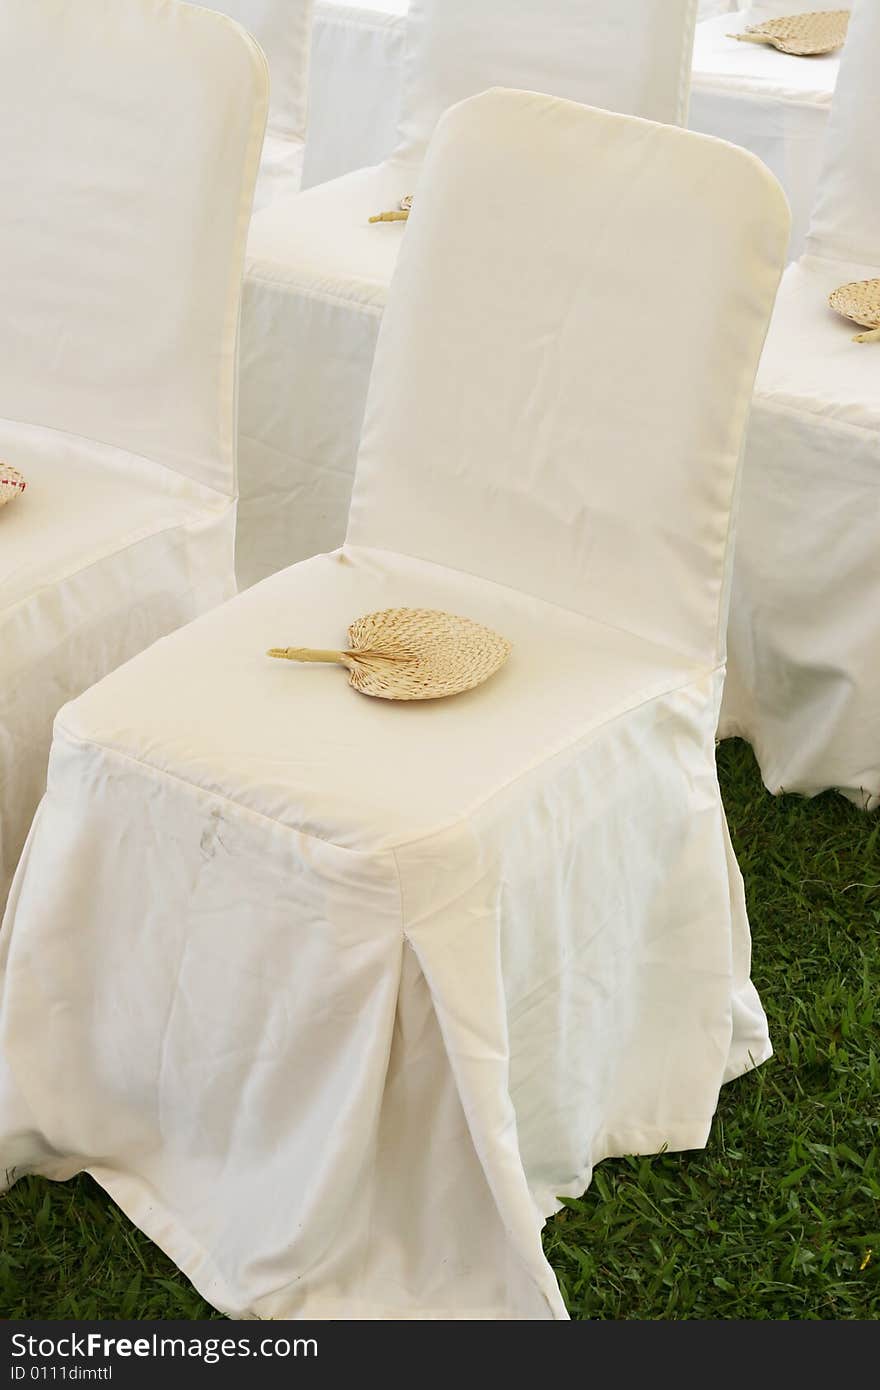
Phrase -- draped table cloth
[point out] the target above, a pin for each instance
(335, 996)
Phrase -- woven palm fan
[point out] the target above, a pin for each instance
(399, 214)
(413, 654)
(12, 484)
(804, 35)
(860, 302)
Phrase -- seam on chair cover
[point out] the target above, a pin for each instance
(442, 828)
(248, 812)
(126, 453)
(250, 172)
(686, 64)
(113, 550)
(308, 290)
(781, 407)
(748, 88)
(353, 550)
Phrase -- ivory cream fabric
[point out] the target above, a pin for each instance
(124, 216)
(804, 684)
(283, 29)
(356, 77)
(357, 60)
(773, 103)
(318, 273)
(408, 971)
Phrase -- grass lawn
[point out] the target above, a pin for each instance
(779, 1218)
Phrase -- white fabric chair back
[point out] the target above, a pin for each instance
(566, 362)
(623, 55)
(283, 29)
(846, 216)
(123, 223)
(759, 10)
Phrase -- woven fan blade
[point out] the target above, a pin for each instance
(413, 654)
(802, 35)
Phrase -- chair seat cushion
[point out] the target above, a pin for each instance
(759, 69)
(82, 503)
(297, 744)
(810, 362)
(321, 243)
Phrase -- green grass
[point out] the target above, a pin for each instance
(778, 1218)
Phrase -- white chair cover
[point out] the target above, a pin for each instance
(129, 140)
(319, 273)
(283, 29)
(804, 684)
(410, 971)
(354, 95)
(354, 103)
(773, 103)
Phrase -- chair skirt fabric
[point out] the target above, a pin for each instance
(397, 992)
(804, 637)
(103, 554)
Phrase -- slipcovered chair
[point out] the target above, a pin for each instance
(283, 28)
(337, 996)
(355, 88)
(804, 685)
(354, 92)
(318, 272)
(773, 103)
(129, 142)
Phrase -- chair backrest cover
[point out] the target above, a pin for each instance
(283, 29)
(566, 362)
(846, 215)
(759, 10)
(130, 136)
(624, 55)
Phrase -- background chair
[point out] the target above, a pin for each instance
(773, 103)
(318, 273)
(285, 965)
(129, 141)
(283, 29)
(355, 92)
(354, 95)
(804, 684)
